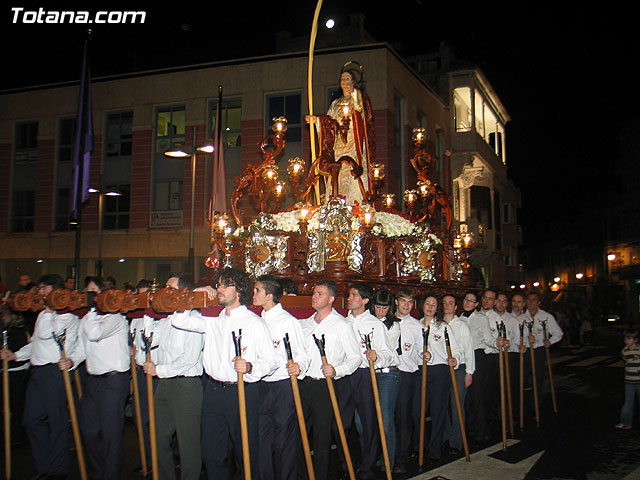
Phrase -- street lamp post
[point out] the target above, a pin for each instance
(183, 152)
(109, 192)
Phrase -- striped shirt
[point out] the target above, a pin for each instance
(631, 365)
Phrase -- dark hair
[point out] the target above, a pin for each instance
(439, 315)
(384, 298)
(332, 287)
(185, 280)
(406, 292)
(271, 285)
(490, 290)
(518, 294)
(471, 292)
(143, 284)
(288, 286)
(534, 293)
(129, 287)
(97, 280)
(632, 333)
(364, 290)
(242, 282)
(52, 279)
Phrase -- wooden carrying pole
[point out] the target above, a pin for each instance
(507, 370)
(522, 377)
(152, 410)
(298, 403)
(376, 399)
(60, 339)
(242, 409)
(456, 395)
(136, 403)
(7, 410)
(551, 385)
(336, 410)
(76, 375)
(423, 398)
(503, 416)
(533, 374)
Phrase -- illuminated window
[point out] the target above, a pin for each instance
(462, 109)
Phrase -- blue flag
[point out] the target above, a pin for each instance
(83, 143)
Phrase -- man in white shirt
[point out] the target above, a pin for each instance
(220, 412)
(512, 342)
(103, 346)
(464, 373)
(539, 319)
(477, 393)
(178, 396)
(46, 418)
(408, 403)
(355, 392)
(342, 349)
(278, 420)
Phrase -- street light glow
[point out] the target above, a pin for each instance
(579, 275)
(611, 257)
(330, 23)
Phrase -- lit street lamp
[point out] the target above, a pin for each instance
(180, 151)
(108, 192)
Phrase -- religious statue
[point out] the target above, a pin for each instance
(347, 139)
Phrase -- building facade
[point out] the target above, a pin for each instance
(145, 230)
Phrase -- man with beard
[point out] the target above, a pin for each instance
(220, 411)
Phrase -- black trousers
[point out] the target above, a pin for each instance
(102, 423)
(46, 420)
(479, 397)
(438, 392)
(408, 414)
(221, 437)
(355, 394)
(278, 431)
(318, 413)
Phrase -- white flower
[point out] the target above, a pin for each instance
(394, 225)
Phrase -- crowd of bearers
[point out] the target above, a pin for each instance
(195, 363)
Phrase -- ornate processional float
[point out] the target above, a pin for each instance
(339, 225)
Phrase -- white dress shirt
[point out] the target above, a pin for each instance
(43, 348)
(342, 347)
(411, 343)
(219, 349)
(463, 337)
(513, 330)
(368, 324)
(494, 320)
(280, 322)
(478, 324)
(103, 343)
(146, 326)
(179, 351)
(437, 345)
(554, 332)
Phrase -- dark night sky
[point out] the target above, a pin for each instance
(563, 75)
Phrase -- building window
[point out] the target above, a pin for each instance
(462, 109)
(506, 213)
(23, 211)
(64, 173)
(119, 138)
(231, 121)
(168, 172)
(24, 177)
(26, 144)
(116, 209)
(288, 106)
(421, 120)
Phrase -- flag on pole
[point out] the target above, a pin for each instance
(218, 200)
(83, 143)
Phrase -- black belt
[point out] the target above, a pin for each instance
(220, 382)
(108, 374)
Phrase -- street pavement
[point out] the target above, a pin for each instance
(579, 442)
